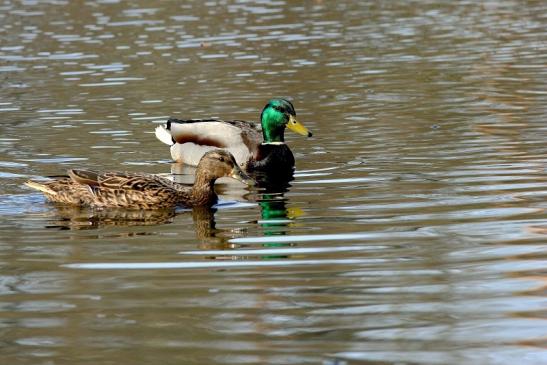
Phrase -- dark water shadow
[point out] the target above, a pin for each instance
(272, 182)
(81, 218)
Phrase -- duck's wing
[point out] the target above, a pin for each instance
(125, 189)
(120, 180)
(191, 139)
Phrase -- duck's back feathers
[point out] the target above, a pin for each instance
(191, 139)
(209, 132)
(118, 180)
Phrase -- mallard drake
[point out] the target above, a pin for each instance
(140, 190)
(253, 148)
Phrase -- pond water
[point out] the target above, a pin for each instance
(414, 232)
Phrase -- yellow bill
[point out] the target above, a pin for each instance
(297, 127)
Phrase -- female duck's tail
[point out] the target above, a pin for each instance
(40, 187)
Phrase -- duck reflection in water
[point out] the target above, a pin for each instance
(80, 218)
(275, 217)
(83, 218)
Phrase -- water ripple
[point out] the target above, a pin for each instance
(413, 231)
(213, 264)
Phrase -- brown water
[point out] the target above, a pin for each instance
(415, 231)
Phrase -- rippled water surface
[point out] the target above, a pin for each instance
(415, 231)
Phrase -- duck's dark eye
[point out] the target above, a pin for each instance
(279, 109)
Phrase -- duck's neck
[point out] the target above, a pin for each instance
(273, 126)
(273, 134)
(203, 191)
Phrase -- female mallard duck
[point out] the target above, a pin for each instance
(139, 190)
(252, 148)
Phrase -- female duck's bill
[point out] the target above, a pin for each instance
(239, 175)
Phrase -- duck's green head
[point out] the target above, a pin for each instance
(276, 115)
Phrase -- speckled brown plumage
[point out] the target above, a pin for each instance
(139, 190)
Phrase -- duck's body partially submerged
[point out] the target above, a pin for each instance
(253, 148)
(141, 191)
